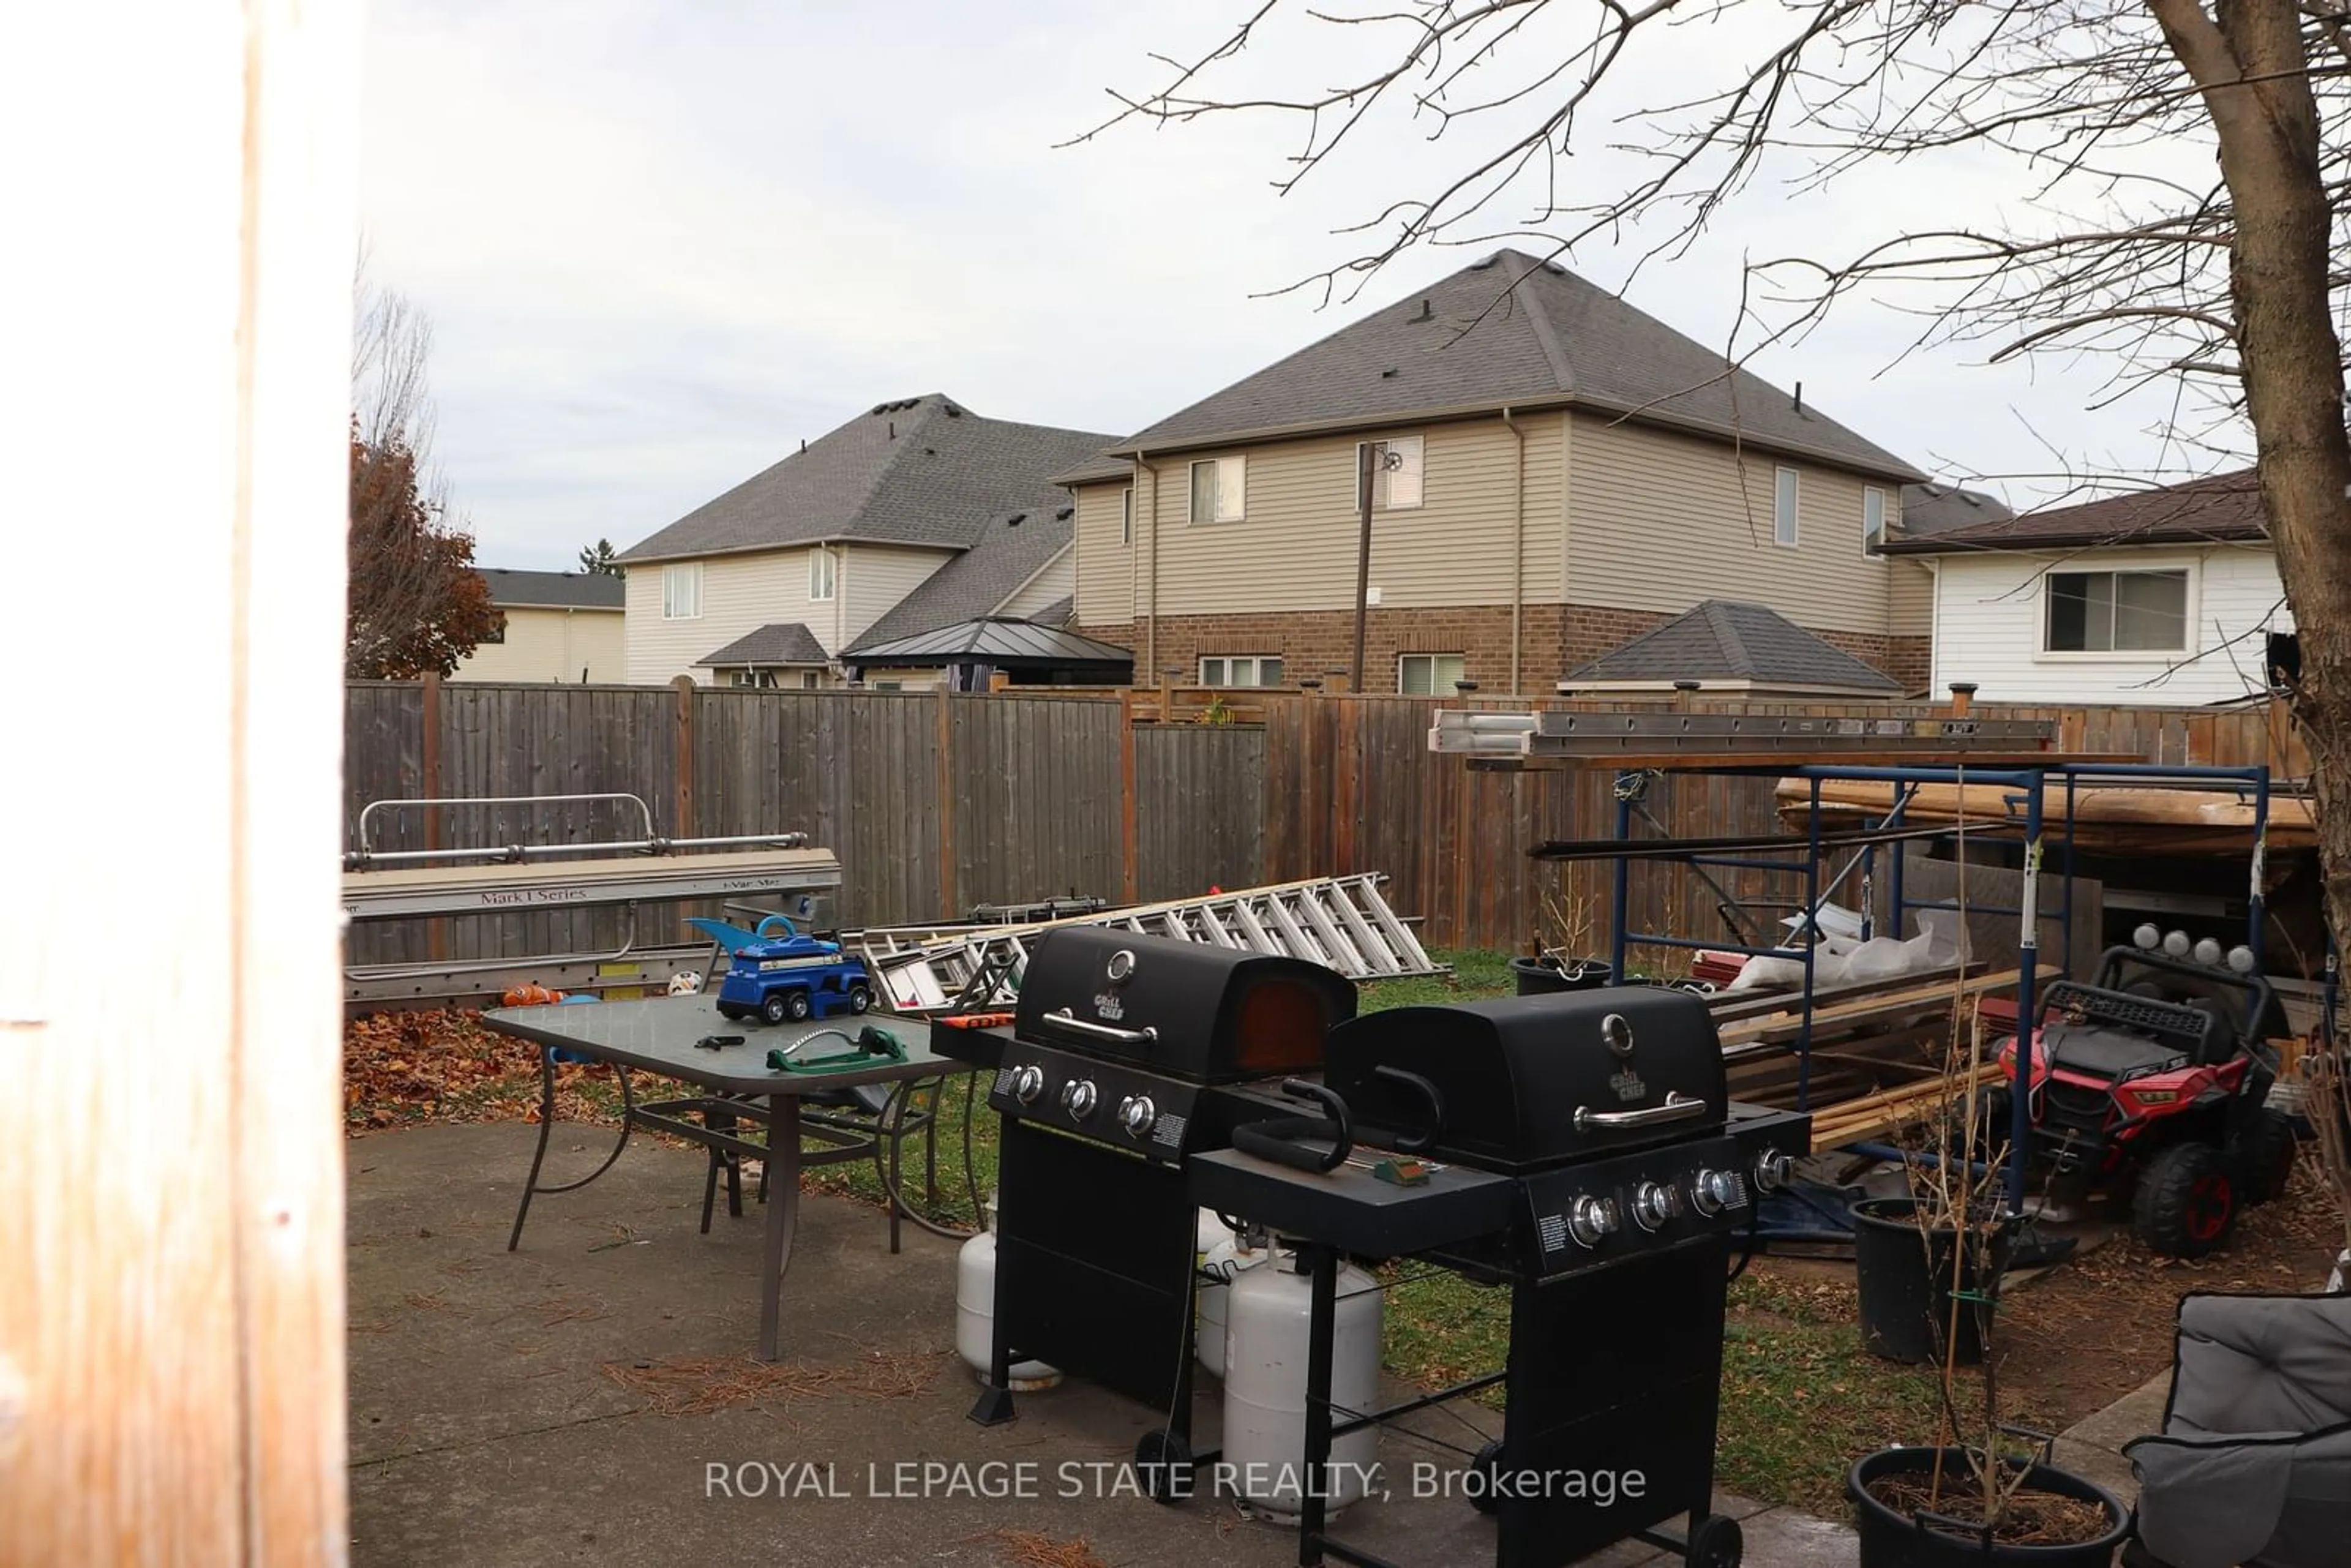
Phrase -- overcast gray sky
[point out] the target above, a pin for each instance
(662, 243)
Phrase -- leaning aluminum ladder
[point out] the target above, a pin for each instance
(1343, 923)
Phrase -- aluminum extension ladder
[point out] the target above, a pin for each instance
(1340, 922)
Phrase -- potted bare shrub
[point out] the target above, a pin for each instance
(1982, 1493)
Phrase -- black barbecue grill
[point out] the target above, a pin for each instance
(1585, 1154)
(1127, 1055)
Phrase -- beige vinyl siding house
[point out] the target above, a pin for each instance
(1056, 582)
(1660, 520)
(739, 594)
(559, 626)
(907, 516)
(543, 645)
(1577, 475)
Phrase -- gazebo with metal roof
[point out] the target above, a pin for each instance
(972, 650)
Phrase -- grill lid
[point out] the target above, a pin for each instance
(1190, 1010)
(1528, 1081)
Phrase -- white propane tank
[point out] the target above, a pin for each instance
(1224, 1259)
(1265, 1385)
(976, 1313)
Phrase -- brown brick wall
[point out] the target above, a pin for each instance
(1557, 638)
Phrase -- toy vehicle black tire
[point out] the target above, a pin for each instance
(2265, 1155)
(859, 998)
(797, 1005)
(2187, 1201)
(733, 1012)
(1165, 1460)
(775, 1006)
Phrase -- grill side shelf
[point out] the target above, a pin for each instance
(1351, 1209)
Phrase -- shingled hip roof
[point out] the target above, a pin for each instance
(1510, 331)
(1003, 640)
(784, 642)
(1726, 639)
(1008, 552)
(918, 471)
(2223, 510)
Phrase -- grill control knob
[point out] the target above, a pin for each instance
(1591, 1220)
(1711, 1192)
(1135, 1113)
(1028, 1083)
(1078, 1096)
(1654, 1203)
(1773, 1169)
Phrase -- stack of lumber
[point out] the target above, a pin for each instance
(1875, 1117)
(1878, 1050)
(2107, 819)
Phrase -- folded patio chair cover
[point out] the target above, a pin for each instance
(2253, 1466)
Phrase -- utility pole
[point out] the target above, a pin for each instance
(1373, 458)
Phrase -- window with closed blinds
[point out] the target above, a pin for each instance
(1429, 675)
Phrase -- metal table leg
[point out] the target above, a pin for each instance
(783, 1162)
(546, 1123)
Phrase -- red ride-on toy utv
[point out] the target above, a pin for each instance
(2152, 1083)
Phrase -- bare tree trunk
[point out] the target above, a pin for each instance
(2251, 66)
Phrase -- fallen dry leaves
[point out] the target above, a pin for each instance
(401, 1068)
(1035, 1548)
(697, 1387)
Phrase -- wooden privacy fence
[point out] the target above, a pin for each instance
(936, 802)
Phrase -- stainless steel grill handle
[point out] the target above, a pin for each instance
(1678, 1107)
(1062, 1018)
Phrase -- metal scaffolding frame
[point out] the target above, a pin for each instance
(2027, 811)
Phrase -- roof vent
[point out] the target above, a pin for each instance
(1062, 516)
(1799, 402)
(1388, 374)
(1488, 261)
(951, 411)
(893, 429)
(1427, 312)
(930, 452)
(1014, 521)
(1554, 269)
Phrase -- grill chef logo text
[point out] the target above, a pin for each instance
(1107, 1006)
(1628, 1086)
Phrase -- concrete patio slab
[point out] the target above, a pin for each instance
(494, 1419)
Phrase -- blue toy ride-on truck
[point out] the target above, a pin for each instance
(780, 976)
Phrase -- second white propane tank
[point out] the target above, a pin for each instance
(1224, 1261)
(976, 1313)
(1265, 1339)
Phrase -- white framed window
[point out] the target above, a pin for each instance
(1126, 515)
(2116, 612)
(1393, 488)
(762, 679)
(1241, 670)
(1429, 675)
(1220, 490)
(1872, 521)
(824, 568)
(682, 591)
(1784, 506)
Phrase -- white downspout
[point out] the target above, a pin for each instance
(1518, 550)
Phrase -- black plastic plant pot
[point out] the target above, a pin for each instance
(1894, 1540)
(1540, 977)
(1905, 1282)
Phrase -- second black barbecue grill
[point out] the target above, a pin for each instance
(1587, 1157)
(1128, 1055)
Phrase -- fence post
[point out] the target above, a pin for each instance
(1130, 877)
(428, 768)
(682, 803)
(948, 902)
